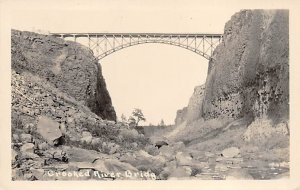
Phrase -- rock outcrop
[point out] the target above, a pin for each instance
(194, 109)
(69, 66)
(249, 72)
(60, 110)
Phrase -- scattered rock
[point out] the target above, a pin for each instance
(57, 154)
(86, 137)
(96, 141)
(181, 172)
(83, 155)
(112, 166)
(28, 147)
(15, 138)
(43, 146)
(144, 161)
(231, 152)
(28, 176)
(37, 173)
(184, 159)
(238, 174)
(152, 150)
(170, 167)
(209, 154)
(129, 133)
(17, 174)
(110, 123)
(168, 152)
(112, 148)
(14, 155)
(29, 155)
(63, 128)
(159, 144)
(26, 138)
(134, 145)
(28, 128)
(70, 120)
(221, 167)
(178, 145)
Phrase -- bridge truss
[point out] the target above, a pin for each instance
(104, 44)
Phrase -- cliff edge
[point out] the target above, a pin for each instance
(69, 66)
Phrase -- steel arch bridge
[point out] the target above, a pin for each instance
(104, 44)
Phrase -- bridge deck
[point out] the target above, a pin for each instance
(103, 44)
(136, 34)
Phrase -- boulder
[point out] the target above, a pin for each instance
(184, 159)
(86, 137)
(231, 152)
(110, 123)
(58, 154)
(238, 174)
(70, 120)
(29, 155)
(80, 165)
(113, 166)
(82, 155)
(28, 147)
(37, 173)
(221, 167)
(49, 130)
(113, 148)
(178, 146)
(16, 174)
(181, 172)
(152, 150)
(129, 133)
(168, 152)
(15, 138)
(134, 144)
(144, 161)
(167, 171)
(14, 155)
(26, 138)
(96, 141)
(159, 144)
(28, 176)
(43, 146)
(209, 154)
(63, 128)
(28, 128)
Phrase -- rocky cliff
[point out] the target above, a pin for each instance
(194, 109)
(69, 66)
(249, 72)
(61, 112)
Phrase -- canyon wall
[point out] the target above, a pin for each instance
(194, 109)
(248, 74)
(69, 66)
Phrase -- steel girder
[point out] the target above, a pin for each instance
(104, 44)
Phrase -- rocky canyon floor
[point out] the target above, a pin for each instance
(44, 148)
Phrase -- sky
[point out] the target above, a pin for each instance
(157, 78)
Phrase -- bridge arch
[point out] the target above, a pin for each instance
(104, 44)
